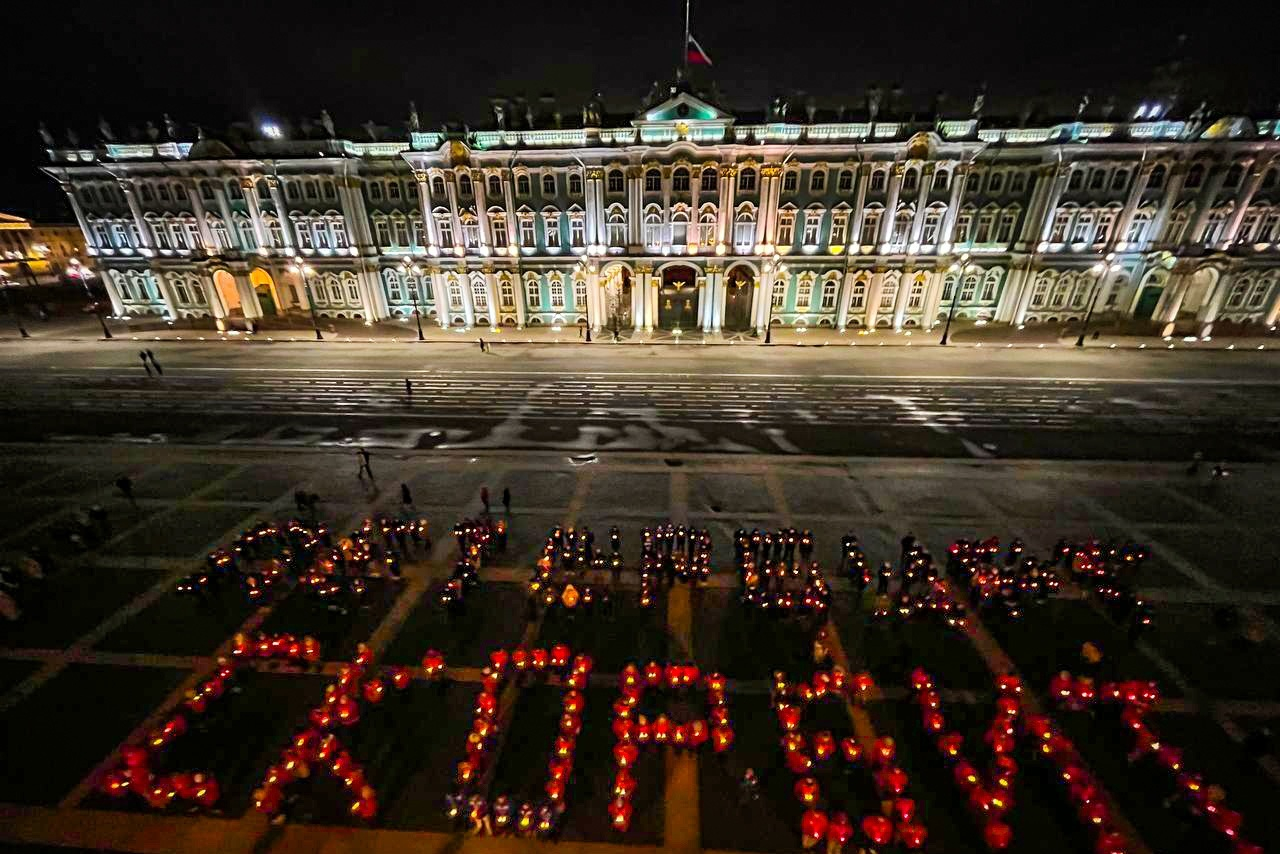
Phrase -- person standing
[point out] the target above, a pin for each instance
(142, 354)
(408, 388)
(406, 497)
(363, 453)
(124, 483)
(154, 363)
(506, 500)
(484, 497)
(481, 342)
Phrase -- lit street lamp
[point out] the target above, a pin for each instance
(958, 268)
(17, 318)
(82, 273)
(583, 267)
(304, 272)
(412, 269)
(1099, 270)
(773, 268)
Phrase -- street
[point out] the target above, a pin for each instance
(969, 402)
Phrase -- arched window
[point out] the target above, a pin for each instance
(1258, 293)
(679, 228)
(858, 296)
(479, 293)
(1119, 180)
(652, 229)
(580, 294)
(879, 178)
(932, 226)
(707, 226)
(548, 184)
(901, 229)
(888, 293)
(1195, 176)
(744, 227)
(747, 180)
(812, 226)
(915, 296)
(312, 190)
(506, 292)
(375, 190)
(989, 284)
(617, 182)
(941, 179)
(844, 183)
(1139, 228)
(1040, 294)
(522, 185)
(1156, 181)
(870, 225)
(779, 295)
(969, 288)
(532, 292)
(680, 180)
(911, 180)
(575, 184)
(710, 177)
(1239, 289)
(829, 294)
(1080, 293)
(1234, 176)
(437, 187)
(818, 181)
(652, 181)
(617, 223)
(464, 185)
(393, 189)
(1061, 292)
(786, 227)
(1076, 181)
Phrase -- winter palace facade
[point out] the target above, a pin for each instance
(688, 217)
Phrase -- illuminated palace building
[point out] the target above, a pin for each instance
(686, 216)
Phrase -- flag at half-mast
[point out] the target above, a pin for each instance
(695, 54)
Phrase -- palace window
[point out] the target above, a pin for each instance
(1119, 179)
(580, 294)
(444, 225)
(247, 238)
(839, 228)
(551, 230)
(103, 238)
(932, 225)
(986, 220)
(744, 228)
(709, 179)
(1061, 226)
(818, 181)
(779, 296)
(878, 180)
(1018, 182)
(948, 288)
(498, 228)
(382, 231)
(941, 179)
(964, 227)
(330, 191)
(507, 294)
(1076, 181)
(989, 286)
(161, 233)
(375, 191)
(163, 192)
(617, 228)
(526, 232)
(996, 184)
(804, 293)
(437, 187)
(1007, 221)
(1083, 230)
(652, 230)
(790, 181)
(812, 227)
(888, 294)
(495, 186)
(1214, 227)
(1138, 228)
(532, 293)
(747, 180)
(392, 279)
(969, 288)
(548, 184)
(575, 184)
(1258, 294)
(464, 185)
(616, 181)
(1097, 179)
(915, 296)
(522, 185)
(652, 181)
(844, 183)
(206, 190)
(1106, 221)
(557, 295)
(1195, 176)
(870, 226)
(911, 180)
(858, 296)
(353, 292)
(274, 233)
(1270, 227)
(146, 193)
(1080, 293)
(786, 227)
(470, 233)
(479, 293)
(828, 294)
(184, 296)
(679, 228)
(680, 180)
(401, 232)
(577, 232)
(1248, 225)
(707, 228)
(1173, 232)
(455, 295)
(1156, 179)
(320, 234)
(1234, 176)
(393, 189)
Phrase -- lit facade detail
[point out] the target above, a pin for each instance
(686, 217)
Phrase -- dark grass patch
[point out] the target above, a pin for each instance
(494, 617)
(183, 625)
(52, 739)
(73, 603)
(237, 739)
(301, 613)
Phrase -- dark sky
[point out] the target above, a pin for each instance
(225, 60)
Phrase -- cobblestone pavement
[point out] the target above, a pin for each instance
(118, 649)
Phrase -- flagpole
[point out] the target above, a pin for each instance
(684, 46)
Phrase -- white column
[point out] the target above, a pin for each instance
(282, 214)
(144, 229)
(440, 287)
(1029, 233)
(595, 308)
(1205, 203)
(721, 300)
(166, 294)
(1051, 204)
(846, 294)
(117, 304)
(424, 210)
(218, 310)
(859, 206)
(1243, 199)
(710, 285)
(635, 207)
(890, 206)
(479, 190)
(250, 189)
(521, 310)
(728, 182)
(1015, 296)
(491, 286)
(202, 222)
(1177, 173)
(651, 310)
(922, 202)
(1170, 303)
(873, 298)
(224, 206)
(90, 239)
(1273, 313)
(900, 300)
(932, 298)
(1131, 206)
(248, 298)
(468, 299)
(639, 298)
(770, 187)
(959, 177)
(451, 192)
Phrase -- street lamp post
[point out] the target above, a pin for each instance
(773, 268)
(958, 268)
(1100, 269)
(8, 304)
(82, 273)
(412, 269)
(304, 272)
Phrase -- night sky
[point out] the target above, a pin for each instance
(219, 62)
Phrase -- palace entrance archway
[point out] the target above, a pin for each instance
(739, 285)
(617, 298)
(225, 284)
(678, 299)
(264, 288)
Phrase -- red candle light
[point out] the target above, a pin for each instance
(620, 814)
(878, 829)
(433, 663)
(851, 749)
(806, 790)
(839, 828)
(814, 824)
(913, 836)
(373, 691)
(997, 835)
(722, 738)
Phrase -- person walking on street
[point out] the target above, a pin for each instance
(484, 497)
(406, 497)
(1196, 459)
(154, 363)
(481, 342)
(124, 483)
(142, 354)
(364, 464)
(506, 500)
(408, 388)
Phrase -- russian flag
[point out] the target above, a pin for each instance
(695, 54)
